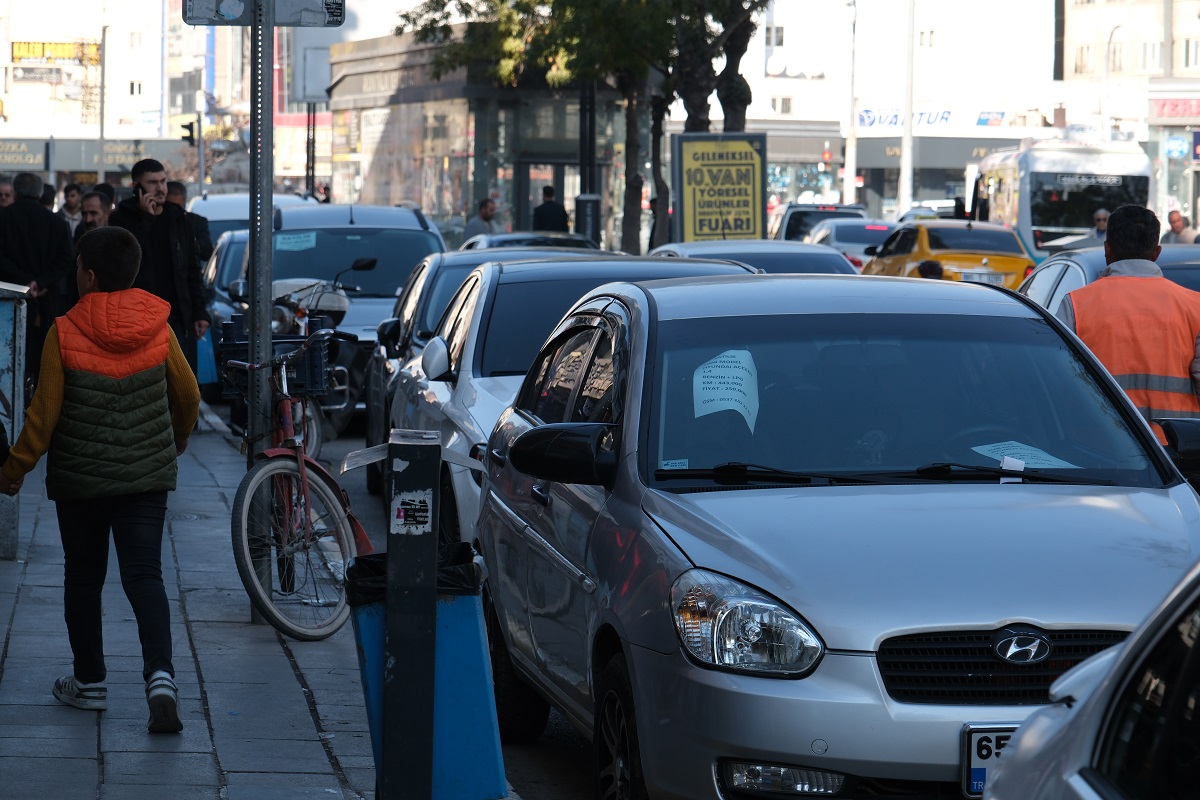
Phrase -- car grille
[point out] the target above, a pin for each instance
(961, 667)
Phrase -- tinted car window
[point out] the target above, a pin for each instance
(860, 234)
(406, 304)
(873, 393)
(1154, 737)
(826, 263)
(1188, 276)
(976, 240)
(322, 253)
(1041, 283)
(231, 266)
(445, 282)
(218, 226)
(1072, 279)
(595, 400)
(801, 221)
(522, 315)
(550, 395)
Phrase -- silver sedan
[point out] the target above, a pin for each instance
(814, 535)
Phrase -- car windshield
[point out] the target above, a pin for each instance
(533, 240)
(861, 234)
(324, 252)
(880, 394)
(522, 316)
(218, 226)
(1064, 201)
(445, 283)
(800, 222)
(827, 263)
(974, 240)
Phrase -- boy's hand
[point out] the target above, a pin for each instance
(180, 446)
(10, 488)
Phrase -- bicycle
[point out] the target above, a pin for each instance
(292, 526)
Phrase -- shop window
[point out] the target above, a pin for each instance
(1191, 53)
(1151, 56)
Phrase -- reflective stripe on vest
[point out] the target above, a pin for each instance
(1151, 347)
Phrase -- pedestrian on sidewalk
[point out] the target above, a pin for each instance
(115, 403)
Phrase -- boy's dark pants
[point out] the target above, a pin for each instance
(136, 522)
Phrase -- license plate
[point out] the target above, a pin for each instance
(982, 746)
(991, 278)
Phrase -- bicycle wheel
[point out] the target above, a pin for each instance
(296, 582)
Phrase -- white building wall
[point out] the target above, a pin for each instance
(69, 109)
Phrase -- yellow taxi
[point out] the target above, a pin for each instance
(958, 250)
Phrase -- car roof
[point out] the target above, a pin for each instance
(837, 222)
(236, 205)
(330, 215)
(726, 296)
(940, 222)
(480, 255)
(616, 267)
(1093, 262)
(731, 247)
(830, 206)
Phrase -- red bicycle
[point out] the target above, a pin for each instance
(293, 530)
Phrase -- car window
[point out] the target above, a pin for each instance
(1186, 276)
(1151, 744)
(445, 282)
(800, 221)
(818, 236)
(887, 392)
(905, 242)
(558, 372)
(406, 304)
(231, 266)
(1042, 282)
(973, 239)
(861, 234)
(323, 252)
(828, 263)
(595, 400)
(889, 246)
(457, 322)
(1072, 279)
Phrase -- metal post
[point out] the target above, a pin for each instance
(310, 151)
(258, 413)
(414, 463)
(262, 47)
(200, 151)
(904, 188)
(850, 161)
(103, 59)
(587, 138)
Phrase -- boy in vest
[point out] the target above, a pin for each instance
(115, 403)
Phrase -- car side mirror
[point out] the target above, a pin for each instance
(388, 335)
(870, 251)
(568, 452)
(435, 360)
(239, 290)
(1183, 445)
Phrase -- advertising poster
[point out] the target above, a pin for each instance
(719, 186)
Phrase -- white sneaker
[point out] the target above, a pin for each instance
(88, 696)
(163, 699)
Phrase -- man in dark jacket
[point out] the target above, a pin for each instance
(550, 215)
(177, 194)
(170, 264)
(35, 251)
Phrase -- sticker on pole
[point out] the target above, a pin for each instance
(288, 13)
(412, 513)
(729, 381)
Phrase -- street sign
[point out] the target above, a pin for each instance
(721, 183)
(288, 13)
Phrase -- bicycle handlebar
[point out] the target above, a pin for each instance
(286, 358)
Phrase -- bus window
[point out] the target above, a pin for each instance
(1060, 201)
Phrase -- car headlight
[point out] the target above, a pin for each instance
(729, 625)
(282, 320)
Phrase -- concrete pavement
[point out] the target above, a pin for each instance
(265, 717)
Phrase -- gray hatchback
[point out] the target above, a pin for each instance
(796, 535)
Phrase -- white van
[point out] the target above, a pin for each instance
(228, 212)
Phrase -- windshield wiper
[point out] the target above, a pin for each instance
(738, 472)
(950, 471)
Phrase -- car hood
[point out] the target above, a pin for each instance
(365, 314)
(862, 564)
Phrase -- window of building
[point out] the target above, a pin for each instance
(135, 87)
(1151, 56)
(1191, 53)
(781, 105)
(770, 33)
(1083, 59)
(779, 36)
(1115, 61)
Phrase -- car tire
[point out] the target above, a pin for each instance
(618, 756)
(522, 712)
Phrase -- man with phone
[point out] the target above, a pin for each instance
(170, 264)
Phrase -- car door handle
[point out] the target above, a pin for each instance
(540, 495)
(498, 457)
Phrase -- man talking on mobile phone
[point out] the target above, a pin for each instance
(170, 264)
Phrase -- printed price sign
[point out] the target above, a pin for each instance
(721, 180)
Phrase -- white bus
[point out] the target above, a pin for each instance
(1050, 188)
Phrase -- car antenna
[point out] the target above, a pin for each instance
(351, 213)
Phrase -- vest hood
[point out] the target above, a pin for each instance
(120, 322)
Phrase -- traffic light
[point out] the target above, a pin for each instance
(190, 136)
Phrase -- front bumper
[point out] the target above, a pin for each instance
(839, 719)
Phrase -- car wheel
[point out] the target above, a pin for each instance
(522, 712)
(618, 759)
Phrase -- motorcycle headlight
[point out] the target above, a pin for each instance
(282, 320)
(729, 625)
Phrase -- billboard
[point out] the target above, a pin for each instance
(719, 182)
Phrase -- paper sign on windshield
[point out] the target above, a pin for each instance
(296, 241)
(1032, 456)
(729, 381)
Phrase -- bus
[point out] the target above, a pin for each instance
(1048, 189)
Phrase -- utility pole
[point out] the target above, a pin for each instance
(850, 161)
(904, 188)
(262, 110)
(103, 59)
(200, 151)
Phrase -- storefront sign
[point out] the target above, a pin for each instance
(22, 155)
(85, 53)
(721, 180)
(1174, 108)
(893, 118)
(37, 74)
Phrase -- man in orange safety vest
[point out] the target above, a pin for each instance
(1142, 326)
